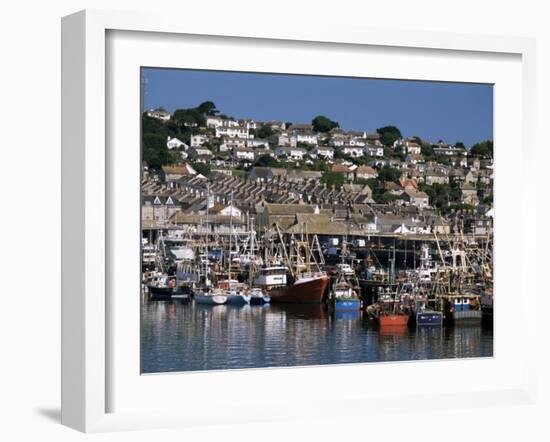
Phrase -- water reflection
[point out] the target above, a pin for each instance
(182, 337)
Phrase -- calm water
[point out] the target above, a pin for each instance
(183, 337)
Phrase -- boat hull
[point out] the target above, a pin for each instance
(393, 320)
(160, 293)
(238, 299)
(347, 305)
(429, 318)
(260, 300)
(310, 292)
(467, 317)
(210, 299)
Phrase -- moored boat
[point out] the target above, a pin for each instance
(393, 319)
(429, 317)
(344, 294)
(259, 296)
(309, 288)
(159, 293)
(213, 297)
(462, 308)
(160, 287)
(237, 297)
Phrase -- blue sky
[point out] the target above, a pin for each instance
(432, 110)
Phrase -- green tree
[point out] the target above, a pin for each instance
(189, 117)
(335, 179)
(266, 161)
(202, 168)
(264, 132)
(387, 173)
(384, 198)
(460, 145)
(208, 108)
(483, 149)
(389, 134)
(427, 151)
(323, 124)
(155, 153)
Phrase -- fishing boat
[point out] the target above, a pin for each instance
(161, 287)
(344, 292)
(428, 317)
(462, 308)
(389, 310)
(424, 308)
(307, 283)
(308, 287)
(393, 319)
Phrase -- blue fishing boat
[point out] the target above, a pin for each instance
(344, 294)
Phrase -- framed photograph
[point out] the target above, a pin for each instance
(327, 215)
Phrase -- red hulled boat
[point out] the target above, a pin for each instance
(393, 319)
(307, 289)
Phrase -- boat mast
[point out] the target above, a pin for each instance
(206, 239)
(283, 248)
(230, 235)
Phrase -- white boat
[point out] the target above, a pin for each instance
(210, 298)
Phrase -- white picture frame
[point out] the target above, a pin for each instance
(86, 317)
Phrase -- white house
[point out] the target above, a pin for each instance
(159, 114)
(229, 210)
(257, 142)
(446, 149)
(213, 121)
(174, 143)
(365, 172)
(304, 137)
(198, 140)
(230, 123)
(352, 151)
(324, 152)
(243, 153)
(357, 141)
(417, 198)
(232, 131)
(199, 151)
(249, 124)
(338, 140)
(294, 153)
(372, 150)
(232, 143)
(414, 158)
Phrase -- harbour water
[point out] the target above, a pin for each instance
(189, 337)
